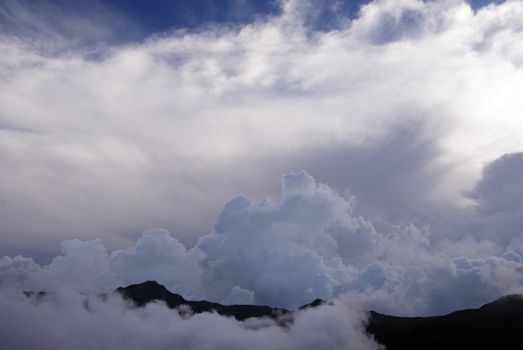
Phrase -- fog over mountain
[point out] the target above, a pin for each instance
(394, 132)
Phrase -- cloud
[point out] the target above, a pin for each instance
(50, 27)
(501, 187)
(162, 132)
(496, 215)
(288, 253)
(308, 244)
(393, 113)
(109, 324)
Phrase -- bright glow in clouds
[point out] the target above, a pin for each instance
(109, 141)
(407, 118)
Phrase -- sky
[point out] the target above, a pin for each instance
(266, 152)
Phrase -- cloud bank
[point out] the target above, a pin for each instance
(309, 243)
(64, 323)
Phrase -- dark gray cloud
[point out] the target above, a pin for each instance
(500, 189)
(498, 197)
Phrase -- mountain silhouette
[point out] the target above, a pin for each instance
(150, 291)
(497, 325)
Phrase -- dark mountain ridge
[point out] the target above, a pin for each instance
(496, 325)
(150, 291)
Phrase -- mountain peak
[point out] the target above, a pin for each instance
(508, 304)
(149, 291)
(316, 302)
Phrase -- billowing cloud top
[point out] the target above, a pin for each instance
(308, 244)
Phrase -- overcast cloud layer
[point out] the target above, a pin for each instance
(407, 120)
(403, 105)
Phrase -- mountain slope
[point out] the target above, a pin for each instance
(150, 291)
(497, 325)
